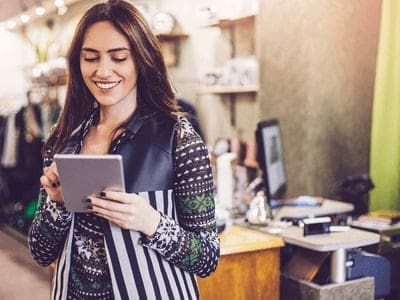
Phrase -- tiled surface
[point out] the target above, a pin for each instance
(20, 276)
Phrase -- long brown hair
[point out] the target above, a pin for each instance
(154, 88)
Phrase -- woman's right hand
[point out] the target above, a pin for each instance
(51, 183)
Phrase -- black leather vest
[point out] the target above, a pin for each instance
(147, 153)
(148, 156)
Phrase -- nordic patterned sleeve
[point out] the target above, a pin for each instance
(48, 230)
(192, 244)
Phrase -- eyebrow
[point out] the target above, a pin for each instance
(108, 51)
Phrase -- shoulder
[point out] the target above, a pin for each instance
(184, 128)
(156, 122)
(186, 135)
(155, 130)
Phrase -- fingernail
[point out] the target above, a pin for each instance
(58, 183)
(54, 184)
(102, 194)
(88, 200)
(47, 162)
(89, 207)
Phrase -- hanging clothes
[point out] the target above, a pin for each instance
(49, 115)
(28, 121)
(3, 124)
(9, 157)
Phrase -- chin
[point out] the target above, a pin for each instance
(106, 100)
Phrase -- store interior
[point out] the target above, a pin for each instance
(312, 66)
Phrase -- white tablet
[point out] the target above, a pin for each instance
(82, 175)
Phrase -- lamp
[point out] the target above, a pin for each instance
(40, 10)
(59, 3)
(24, 17)
(11, 24)
(61, 7)
(62, 10)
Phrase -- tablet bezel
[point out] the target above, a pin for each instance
(82, 175)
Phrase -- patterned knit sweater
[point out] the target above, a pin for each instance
(192, 244)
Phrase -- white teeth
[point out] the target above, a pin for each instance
(106, 86)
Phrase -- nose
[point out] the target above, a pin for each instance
(103, 68)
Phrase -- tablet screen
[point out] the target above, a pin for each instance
(83, 175)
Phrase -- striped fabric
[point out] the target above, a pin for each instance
(165, 266)
(60, 279)
(143, 274)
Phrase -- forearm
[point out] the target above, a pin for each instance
(48, 230)
(195, 252)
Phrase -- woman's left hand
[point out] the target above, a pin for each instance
(128, 211)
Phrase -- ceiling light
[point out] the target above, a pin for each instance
(40, 11)
(24, 18)
(59, 3)
(11, 24)
(62, 10)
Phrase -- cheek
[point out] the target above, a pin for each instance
(86, 70)
(129, 72)
(132, 78)
(131, 75)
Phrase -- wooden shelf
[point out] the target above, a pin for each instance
(228, 90)
(170, 46)
(172, 36)
(232, 22)
(229, 28)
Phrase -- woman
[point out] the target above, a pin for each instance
(150, 242)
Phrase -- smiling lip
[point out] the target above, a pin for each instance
(106, 85)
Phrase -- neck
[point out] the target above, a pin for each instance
(112, 117)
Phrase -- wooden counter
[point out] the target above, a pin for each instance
(249, 267)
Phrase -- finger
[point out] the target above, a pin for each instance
(45, 182)
(52, 168)
(121, 196)
(108, 205)
(52, 176)
(48, 185)
(111, 215)
(117, 196)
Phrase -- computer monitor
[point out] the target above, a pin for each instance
(270, 158)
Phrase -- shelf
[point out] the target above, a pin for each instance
(232, 22)
(170, 46)
(228, 90)
(172, 36)
(235, 30)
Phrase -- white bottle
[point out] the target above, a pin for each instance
(225, 179)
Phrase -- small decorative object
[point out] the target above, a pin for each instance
(163, 23)
(259, 213)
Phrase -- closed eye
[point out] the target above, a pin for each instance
(117, 59)
(91, 59)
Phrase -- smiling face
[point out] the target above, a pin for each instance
(107, 66)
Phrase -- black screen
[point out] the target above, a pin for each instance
(270, 158)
